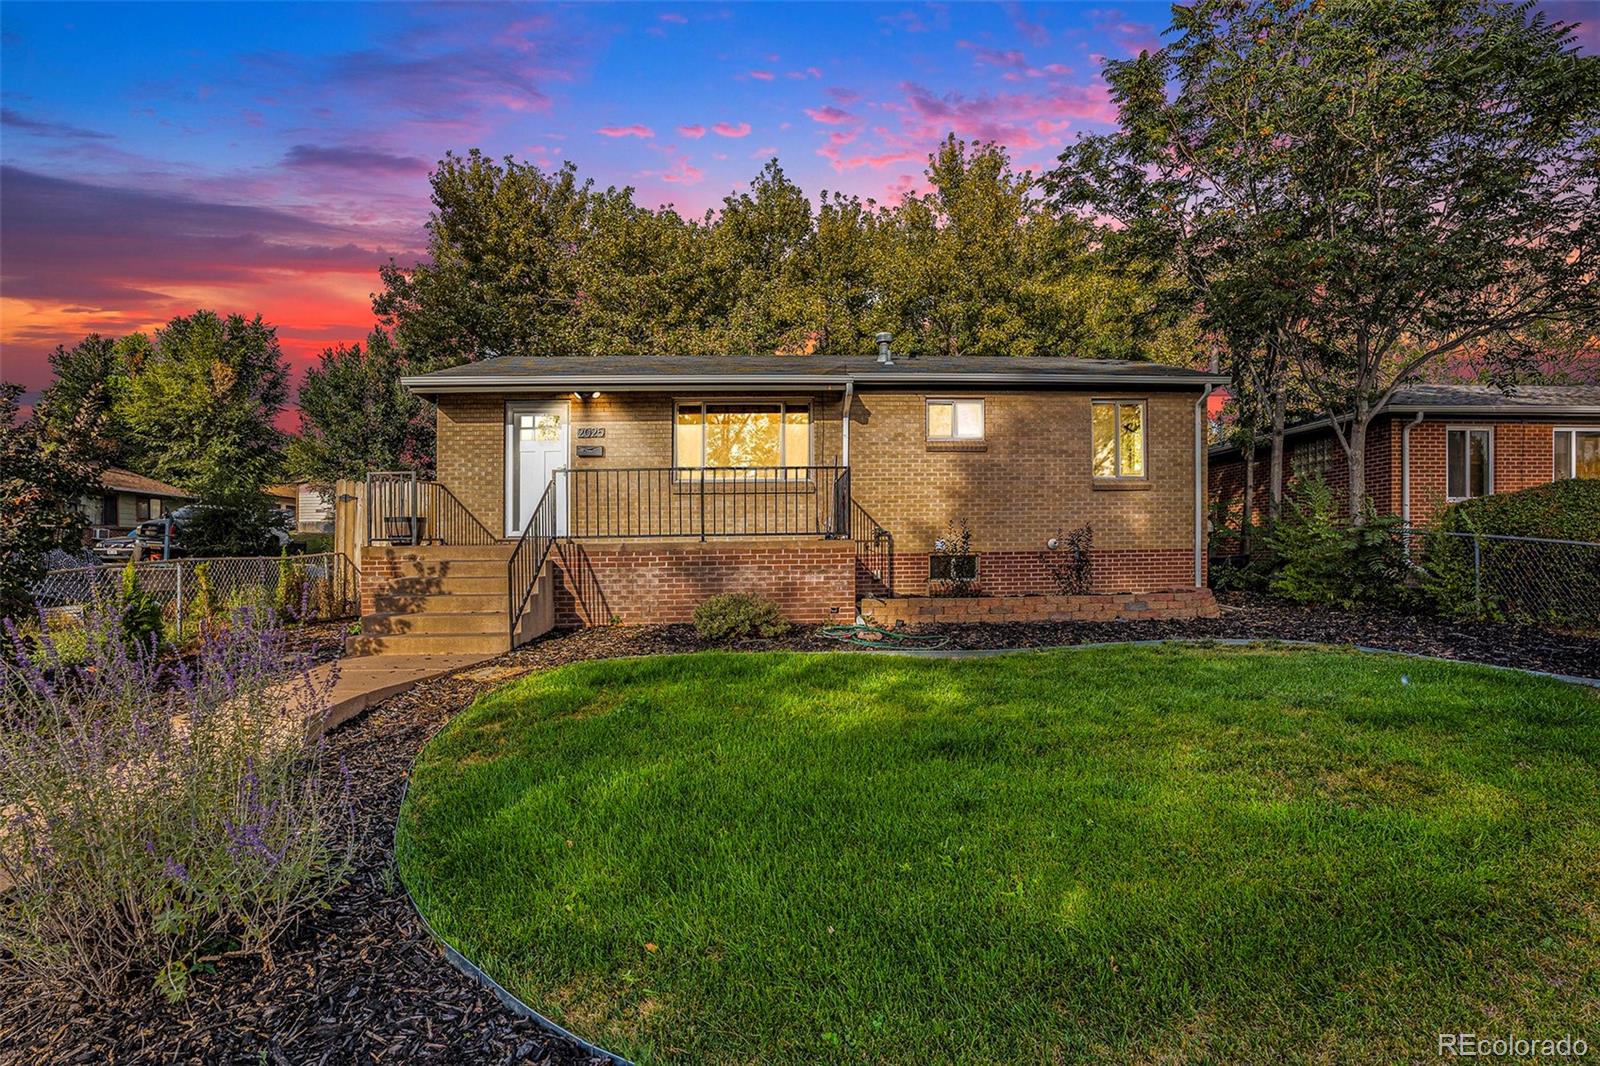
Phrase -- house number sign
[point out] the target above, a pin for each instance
(591, 432)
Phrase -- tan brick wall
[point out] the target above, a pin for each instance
(1030, 480)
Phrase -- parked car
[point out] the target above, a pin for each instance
(164, 536)
(114, 549)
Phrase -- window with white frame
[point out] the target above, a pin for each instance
(955, 419)
(741, 434)
(1469, 463)
(1119, 439)
(1577, 453)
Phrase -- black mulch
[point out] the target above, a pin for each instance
(363, 982)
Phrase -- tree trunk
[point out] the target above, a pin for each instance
(1248, 511)
(1357, 460)
(1280, 404)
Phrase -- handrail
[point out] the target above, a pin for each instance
(405, 510)
(527, 558)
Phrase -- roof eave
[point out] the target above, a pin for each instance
(786, 382)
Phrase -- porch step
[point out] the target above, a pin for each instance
(485, 644)
(411, 624)
(451, 584)
(431, 567)
(445, 553)
(386, 601)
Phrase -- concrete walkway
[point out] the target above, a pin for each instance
(366, 679)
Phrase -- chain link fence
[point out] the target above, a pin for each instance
(1525, 579)
(311, 587)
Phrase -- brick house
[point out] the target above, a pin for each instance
(1434, 445)
(825, 484)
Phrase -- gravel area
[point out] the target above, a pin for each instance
(363, 982)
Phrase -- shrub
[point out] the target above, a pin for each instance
(953, 567)
(140, 612)
(738, 616)
(157, 810)
(1069, 563)
(1550, 583)
(1324, 559)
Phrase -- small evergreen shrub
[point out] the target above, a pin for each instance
(1070, 564)
(139, 611)
(1324, 559)
(952, 568)
(739, 616)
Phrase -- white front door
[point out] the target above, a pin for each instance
(536, 447)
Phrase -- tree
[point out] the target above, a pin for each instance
(204, 403)
(88, 378)
(47, 467)
(356, 417)
(1188, 182)
(1442, 159)
(501, 277)
(757, 254)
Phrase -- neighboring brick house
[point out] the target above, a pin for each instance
(822, 481)
(1434, 445)
(126, 499)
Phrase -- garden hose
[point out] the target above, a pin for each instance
(865, 636)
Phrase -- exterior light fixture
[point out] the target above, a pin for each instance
(595, 395)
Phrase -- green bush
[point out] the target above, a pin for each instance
(1546, 583)
(738, 616)
(140, 611)
(1324, 559)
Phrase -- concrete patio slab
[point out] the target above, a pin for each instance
(365, 679)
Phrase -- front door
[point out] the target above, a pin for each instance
(536, 446)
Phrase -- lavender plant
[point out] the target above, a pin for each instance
(154, 811)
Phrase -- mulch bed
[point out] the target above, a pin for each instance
(363, 981)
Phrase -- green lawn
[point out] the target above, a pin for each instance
(1137, 853)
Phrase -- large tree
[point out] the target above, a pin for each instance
(1441, 160)
(203, 404)
(356, 417)
(48, 464)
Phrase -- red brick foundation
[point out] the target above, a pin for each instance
(1027, 573)
(922, 610)
(597, 583)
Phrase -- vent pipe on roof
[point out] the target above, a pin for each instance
(883, 349)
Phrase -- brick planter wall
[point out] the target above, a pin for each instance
(920, 610)
(641, 583)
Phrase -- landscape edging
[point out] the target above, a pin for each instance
(472, 969)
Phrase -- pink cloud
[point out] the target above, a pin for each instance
(764, 152)
(842, 162)
(829, 115)
(1012, 58)
(636, 130)
(673, 17)
(694, 133)
(802, 75)
(1005, 118)
(762, 75)
(731, 129)
(1033, 31)
(842, 95)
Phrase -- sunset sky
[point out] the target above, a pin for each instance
(160, 158)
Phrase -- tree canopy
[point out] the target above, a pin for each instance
(524, 262)
(355, 416)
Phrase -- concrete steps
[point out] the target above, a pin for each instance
(441, 600)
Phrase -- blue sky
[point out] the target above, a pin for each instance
(266, 158)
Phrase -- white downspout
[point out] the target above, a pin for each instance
(1405, 474)
(844, 427)
(1200, 487)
